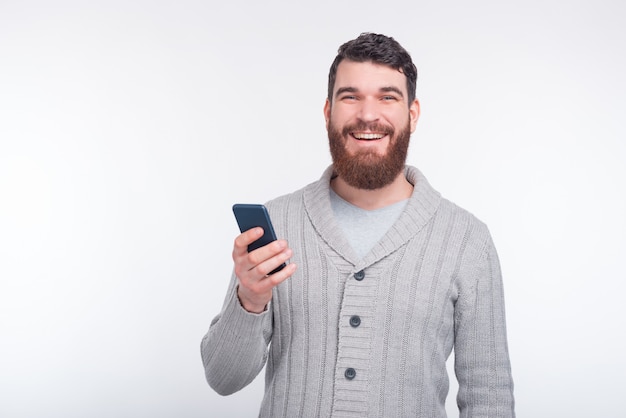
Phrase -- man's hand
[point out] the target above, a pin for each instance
(252, 269)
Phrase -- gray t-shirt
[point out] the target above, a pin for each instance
(364, 228)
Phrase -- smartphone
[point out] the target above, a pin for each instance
(251, 215)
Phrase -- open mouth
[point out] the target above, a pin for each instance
(367, 136)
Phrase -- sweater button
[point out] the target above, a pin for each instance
(350, 373)
(355, 321)
(359, 275)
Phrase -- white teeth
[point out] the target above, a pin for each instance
(368, 136)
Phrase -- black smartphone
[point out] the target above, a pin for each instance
(252, 215)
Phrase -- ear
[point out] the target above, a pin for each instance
(414, 114)
(327, 113)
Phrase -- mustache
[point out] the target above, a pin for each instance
(364, 126)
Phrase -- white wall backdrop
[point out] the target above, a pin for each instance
(129, 128)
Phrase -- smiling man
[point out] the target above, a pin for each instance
(384, 276)
(370, 117)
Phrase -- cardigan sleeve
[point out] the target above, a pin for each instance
(234, 350)
(482, 363)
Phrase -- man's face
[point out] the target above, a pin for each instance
(369, 123)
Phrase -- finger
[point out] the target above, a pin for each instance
(266, 267)
(268, 282)
(261, 255)
(279, 277)
(254, 266)
(248, 237)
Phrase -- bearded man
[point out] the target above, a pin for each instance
(384, 277)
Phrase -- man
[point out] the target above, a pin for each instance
(390, 276)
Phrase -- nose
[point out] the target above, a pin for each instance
(368, 111)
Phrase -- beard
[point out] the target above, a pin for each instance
(367, 169)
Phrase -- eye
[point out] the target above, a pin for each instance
(389, 98)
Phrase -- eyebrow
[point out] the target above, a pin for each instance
(392, 89)
(342, 90)
(389, 89)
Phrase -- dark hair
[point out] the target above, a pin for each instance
(379, 49)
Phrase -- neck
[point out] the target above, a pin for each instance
(399, 189)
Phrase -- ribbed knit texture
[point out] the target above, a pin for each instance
(431, 284)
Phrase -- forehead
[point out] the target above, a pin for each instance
(365, 76)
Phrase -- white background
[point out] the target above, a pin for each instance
(129, 128)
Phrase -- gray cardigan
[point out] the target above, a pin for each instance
(369, 337)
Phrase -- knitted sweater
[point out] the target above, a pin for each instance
(369, 337)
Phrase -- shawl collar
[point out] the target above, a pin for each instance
(421, 207)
